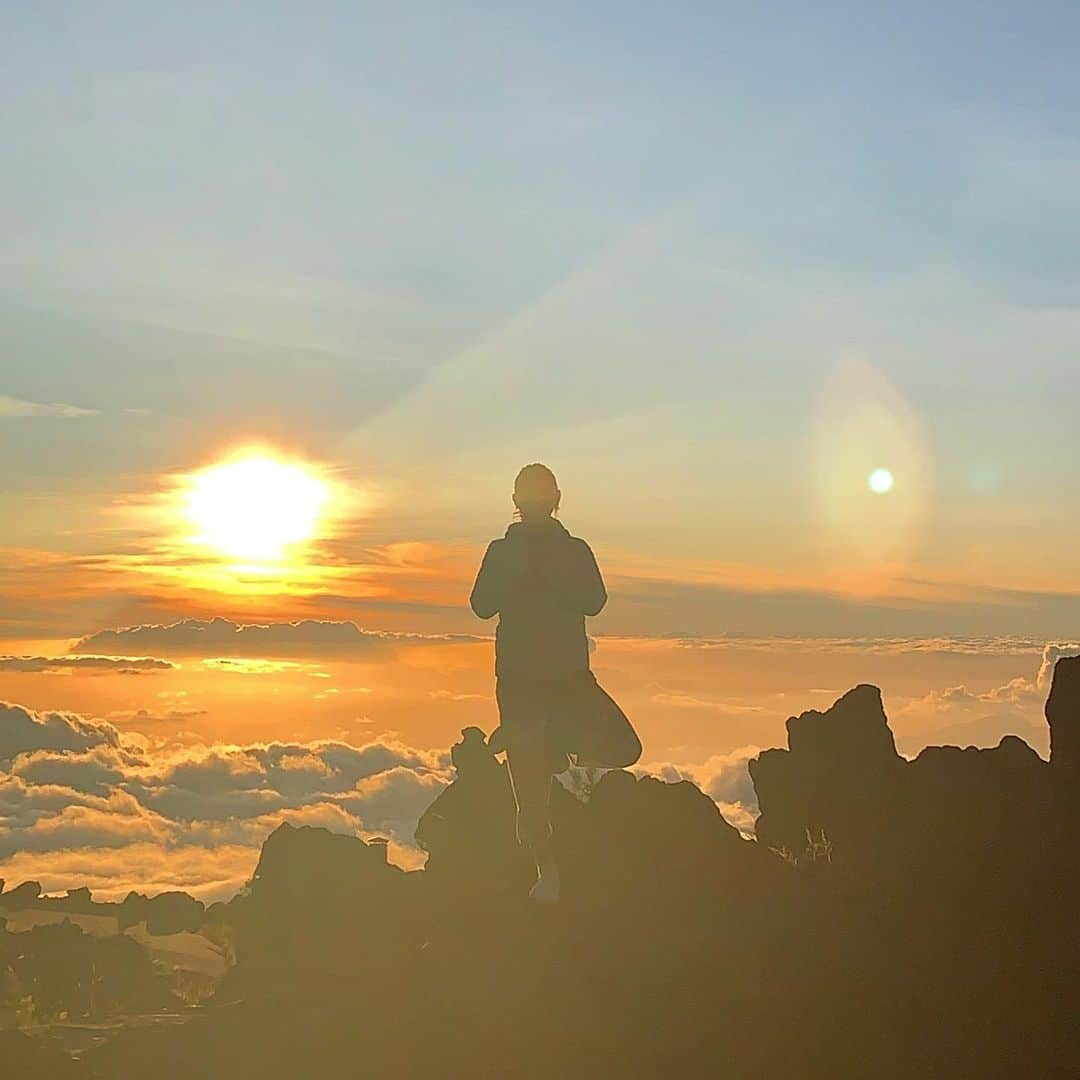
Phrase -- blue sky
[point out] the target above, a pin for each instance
(637, 241)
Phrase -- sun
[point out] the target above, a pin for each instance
(881, 481)
(256, 507)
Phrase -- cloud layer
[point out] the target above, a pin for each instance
(25, 731)
(72, 786)
(725, 778)
(963, 716)
(224, 637)
(120, 665)
(83, 803)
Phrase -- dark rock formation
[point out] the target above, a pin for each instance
(321, 905)
(468, 831)
(22, 896)
(838, 776)
(651, 842)
(132, 910)
(69, 973)
(79, 902)
(929, 931)
(942, 815)
(1063, 716)
(166, 913)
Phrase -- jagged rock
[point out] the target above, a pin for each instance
(469, 831)
(294, 859)
(166, 913)
(660, 824)
(1063, 716)
(79, 901)
(854, 728)
(132, 910)
(951, 813)
(173, 913)
(653, 844)
(632, 837)
(472, 754)
(677, 946)
(321, 903)
(25, 895)
(960, 811)
(836, 778)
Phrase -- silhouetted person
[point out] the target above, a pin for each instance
(542, 582)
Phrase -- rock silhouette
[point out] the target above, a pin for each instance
(67, 973)
(894, 919)
(21, 896)
(1063, 718)
(839, 775)
(166, 913)
(885, 817)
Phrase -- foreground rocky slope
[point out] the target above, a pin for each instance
(894, 919)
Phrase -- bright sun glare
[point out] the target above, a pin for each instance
(256, 507)
(881, 481)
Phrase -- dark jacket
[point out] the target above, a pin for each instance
(541, 582)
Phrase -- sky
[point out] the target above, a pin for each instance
(715, 264)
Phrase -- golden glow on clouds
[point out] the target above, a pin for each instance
(256, 508)
(257, 523)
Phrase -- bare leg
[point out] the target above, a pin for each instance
(530, 775)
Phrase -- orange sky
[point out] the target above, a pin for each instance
(176, 685)
(529, 254)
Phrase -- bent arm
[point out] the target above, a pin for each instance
(576, 578)
(592, 594)
(490, 587)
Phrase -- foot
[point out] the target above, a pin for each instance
(547, 887)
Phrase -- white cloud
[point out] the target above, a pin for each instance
(153, 812)
(960, 715)
(70, 784)
(1051, 655)
(677, 699)
(725, 778)
(12, 407)
(23, 730)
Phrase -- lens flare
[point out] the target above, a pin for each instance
(865, 438)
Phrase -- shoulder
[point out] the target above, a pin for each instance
(578, 543)
(581, 552)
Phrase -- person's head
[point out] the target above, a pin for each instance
(536, 494)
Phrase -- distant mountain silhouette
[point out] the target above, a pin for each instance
(894, 919)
